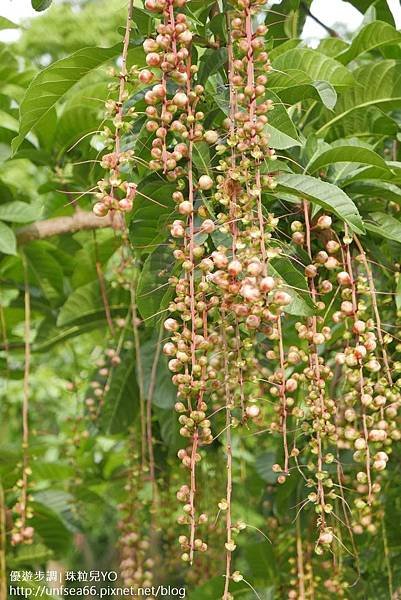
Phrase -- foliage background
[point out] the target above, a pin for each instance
(345, 93)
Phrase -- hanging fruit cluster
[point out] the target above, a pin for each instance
(330, 390)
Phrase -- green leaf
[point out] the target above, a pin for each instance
(19, 212)
(7, 24)
(142, 20)
(122, 399)
(40, 5)
(85, 304)
(153, 291)
(28, 555)
(314, 67)
(8, 241)
(201, 157)
(348, 154)
(51, 528)
(398, 294)
(263, 466)
(379, 85)
(51, 84)
(52, 472)
(324, 194)
(384, 225)
(331, 46)
(211, 61)
(213, 589)
(382, 9)
(165, 393)
(295, 284)
(382, 190)
(322, 91)
(282, 131)
(153, 205)
(372, 36)
(261, 561)
(45, 271)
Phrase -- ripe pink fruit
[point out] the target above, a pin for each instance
(146, 76)
(180, 99)
(344, 278)
(208, 226)
(125, 205)
(211, 136)
(234, 268)
(250, 292)
(100, 209)
(324, 222)
(267, 284)
(252, 411)
(153, 59)
(205, 182)
(282, 298)
(185, 208)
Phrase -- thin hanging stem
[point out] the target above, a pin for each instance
(300, 561)
(3, 544)
(151, 391)
(229, 485)
(372, 288)
(26, 391)
(140, 373)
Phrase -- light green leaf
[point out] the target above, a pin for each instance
(384, 225)
(398, 294)
(372, 36)
(19, 212)
(8, 241)
(381, 7)
(314, 66)
(201, 157)
(28, 555)
(7, 24)
(348, 154)
(294, 284)
(379, 85)
(322, 91)
(51, 84)
(282, 131)
(324, 194)
(52, 471)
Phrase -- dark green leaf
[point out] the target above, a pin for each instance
(40, 5)
(121, 401)
(154, 292)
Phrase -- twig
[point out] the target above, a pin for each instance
(329, 30)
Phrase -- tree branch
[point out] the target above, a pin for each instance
(79, 221)
(329, 30)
